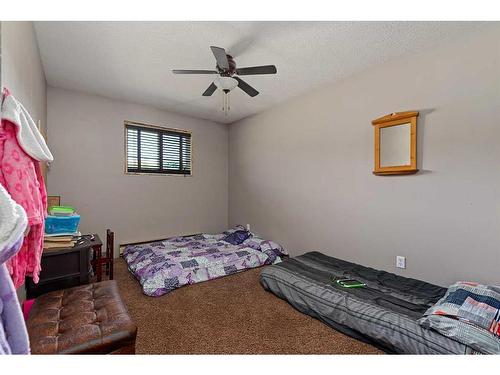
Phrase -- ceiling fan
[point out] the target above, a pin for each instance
(228, 74)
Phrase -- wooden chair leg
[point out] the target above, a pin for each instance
(94, 261)
(99, 263)
(110, 246)
(111, 263)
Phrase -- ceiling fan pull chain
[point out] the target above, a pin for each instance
(225, 105)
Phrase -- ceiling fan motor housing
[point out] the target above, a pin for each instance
(232, 67)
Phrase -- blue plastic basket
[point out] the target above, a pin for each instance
(61, 224)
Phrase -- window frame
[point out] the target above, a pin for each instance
(142, 125)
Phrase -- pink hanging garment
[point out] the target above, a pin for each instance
(21, 176)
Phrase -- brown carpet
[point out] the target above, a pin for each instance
(229, 315)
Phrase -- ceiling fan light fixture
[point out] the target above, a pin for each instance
(226, 83)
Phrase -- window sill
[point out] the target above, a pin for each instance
(157, 174)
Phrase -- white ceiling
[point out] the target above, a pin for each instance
(133, 60)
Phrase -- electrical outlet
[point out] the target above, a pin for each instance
(248, 227)
(400, 262)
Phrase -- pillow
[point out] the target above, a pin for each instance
(273, 246)
(234, 229)
(260, 244)
(253, 242)
(237, 237)
(468, 313)
(273, 250)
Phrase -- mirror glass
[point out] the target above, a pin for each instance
(395, 145)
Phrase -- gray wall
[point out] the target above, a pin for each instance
(301, 173)
(86, 136)
(21, 68)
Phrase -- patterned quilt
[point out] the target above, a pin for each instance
(166, 265)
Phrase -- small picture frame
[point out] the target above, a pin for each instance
(53, 200)
(396, 143)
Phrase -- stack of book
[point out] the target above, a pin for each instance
(52, 242)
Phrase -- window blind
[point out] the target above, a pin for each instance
(154, 150)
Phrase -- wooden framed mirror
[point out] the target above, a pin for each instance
(396, 143)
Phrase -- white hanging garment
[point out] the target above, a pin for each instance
(28, 135)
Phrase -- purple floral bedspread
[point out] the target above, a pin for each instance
(166, 265)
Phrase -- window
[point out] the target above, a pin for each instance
(157, 150)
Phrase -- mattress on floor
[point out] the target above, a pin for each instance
(163, 266)
(384, 313)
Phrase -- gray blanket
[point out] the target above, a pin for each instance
(384, 313)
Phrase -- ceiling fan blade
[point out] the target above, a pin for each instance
(220, 56)
(265, 69)
(182, 71)
(210, 90)
(246, 87)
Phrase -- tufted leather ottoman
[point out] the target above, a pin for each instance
(85, 319)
